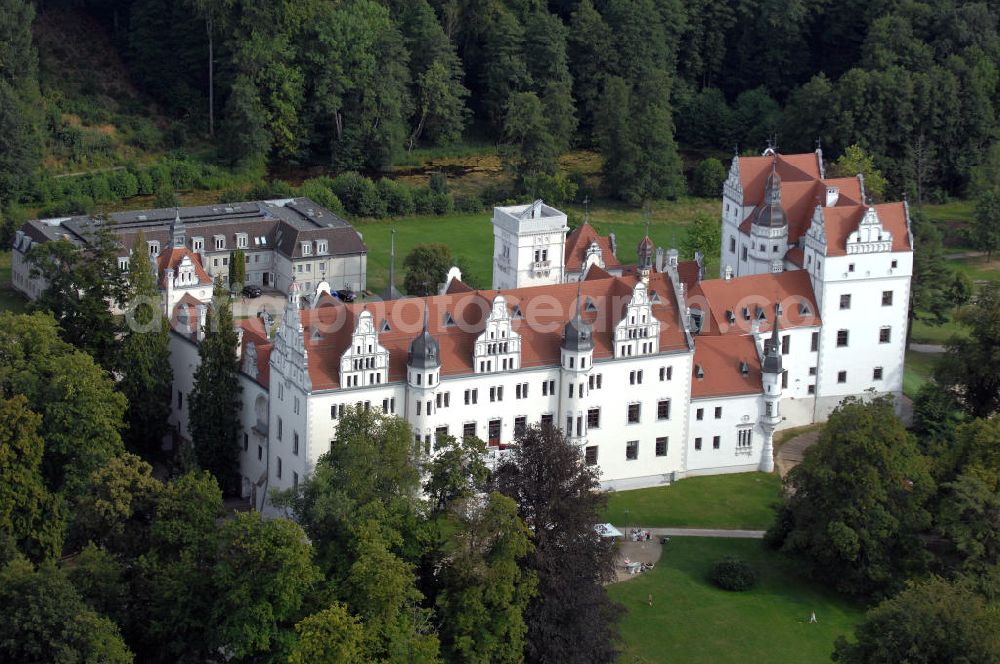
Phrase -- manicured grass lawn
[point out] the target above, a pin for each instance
(743, 500)
(925, 333)
(955, 210)
(692, 621)
(470, 235)
(918, 370)
(10, 300)
(978, 267)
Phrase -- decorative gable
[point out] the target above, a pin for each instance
(638, 332)
(870, 237)
(498, 347)
(366, 361)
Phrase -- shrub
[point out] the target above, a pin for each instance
(359, 195)
(438, 182)
(707, 179)
(733, 574)
(442, 203)
(319, 189)
(123, 184)
(67, 206)
(423, 200)
(398, 197)
(469, 203)
(273, 189)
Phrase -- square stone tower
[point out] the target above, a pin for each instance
(529, 245)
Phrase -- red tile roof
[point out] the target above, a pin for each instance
(688, 271)
(577, 242)
(720, 297)
(841, 222)
(172, 257)
(546, 307)
(253, 332)
(719, 359)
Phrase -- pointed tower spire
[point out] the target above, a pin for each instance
(177, 238)
(772, 359)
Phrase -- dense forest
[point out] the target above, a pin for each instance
(353, 85)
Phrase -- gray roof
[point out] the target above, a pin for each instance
(578, 335)
(425, 352)
(282, 224)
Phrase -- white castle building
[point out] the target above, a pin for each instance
(654, 372)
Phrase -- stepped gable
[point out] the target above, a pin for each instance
(839, 223)
(717, 370)
(722, 298)
(577, 243)
(457, 318)
(253, 332)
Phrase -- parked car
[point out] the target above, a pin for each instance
(345, 295)
(251, 291)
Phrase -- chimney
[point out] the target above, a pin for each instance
(729, 273)
(672, 257)
(660, 261)
(614, 244)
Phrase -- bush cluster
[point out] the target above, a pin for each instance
(733, 574)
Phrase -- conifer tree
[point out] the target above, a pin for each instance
(237, 269)
(145, 357)
(216, 397)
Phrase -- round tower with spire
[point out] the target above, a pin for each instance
(769, 228)
(577, 358)
(772, 373)
(645, 252)
(423, 377)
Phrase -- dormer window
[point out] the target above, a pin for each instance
(220, 242)
(322, 247)
(242, 240)
(123, 263)
(154, 247)
(307, 249)
(198, 243)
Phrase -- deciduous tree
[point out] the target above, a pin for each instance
(856, 505)
(558, 498)
(971, 363)
(426, 266)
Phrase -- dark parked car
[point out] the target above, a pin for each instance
(345, 295)
(251, 291)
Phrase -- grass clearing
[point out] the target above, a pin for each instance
(692, 621)
(741, 500)
(470, 235)
(919, 369)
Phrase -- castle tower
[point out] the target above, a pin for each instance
(423, 377)
(177, 235)
(769, 229)
(772, 394)
(576, 360)
(529, 245)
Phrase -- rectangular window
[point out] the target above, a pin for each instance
(814, 343)
(279, 428)
(744, 437)
(632, 450)
(333, 411)
(599, 377)
(546, 420)
(419, 407)
(475, 395)
(633, 413)
(439, 434)
(661, 446)
(841, 376)
(500, 393)
(594, 418)
(887, 298)
(295, 443)
(260, 453)
(571, 386)
(784, 379)
(841, 338)
(885, 335)
(877, 373)
(180, 400)
(812, 371)
(246, 442)
(469, 430)
(697, 443)
(715, 442)
(786, 344)
(845, 301)
(744, 259)
(545, 388)
(295, 480)
(663, 409)
(520, 425)
(468, 395)
(590, 455)
(895, 264)
(811, 389)
(699, 414)
(631, 378)
(279, 467)
(438, 399)
(732, 245)
(718, 412)
(850, 267)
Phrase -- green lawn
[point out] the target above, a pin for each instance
(470, 235)
(743, 500)
(10, 300)
(918, 370)
(692, 621)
